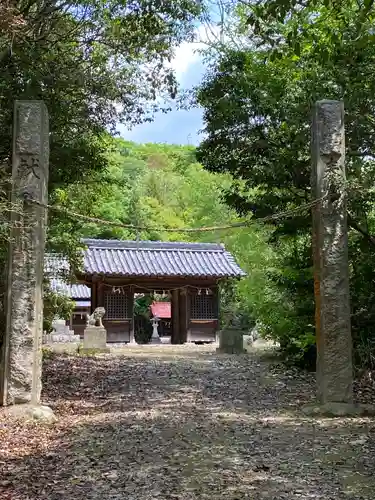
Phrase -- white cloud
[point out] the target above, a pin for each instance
(187, 53)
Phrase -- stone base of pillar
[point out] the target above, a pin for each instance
(338, 410)
(31, 411)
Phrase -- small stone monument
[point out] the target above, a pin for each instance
(155, 339)
(251, 337)
(231, 336)
(62, 339)
(95, 335)
(61, 334)
(230, 341)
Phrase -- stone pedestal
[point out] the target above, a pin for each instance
(332, 410)
(95, 339)
(230, 342)
(61, 334)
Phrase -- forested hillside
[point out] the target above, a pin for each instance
(162, 186)
(279, 58)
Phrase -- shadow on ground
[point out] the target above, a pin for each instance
(185, 425)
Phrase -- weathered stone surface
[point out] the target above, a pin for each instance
(248, 342)
(21, 355)
(230, 342)
(333, 332)
(61, 334)
(338, 410)
(94, 337)
(32, 412)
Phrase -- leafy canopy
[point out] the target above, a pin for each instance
(257, 102)
(94, 64)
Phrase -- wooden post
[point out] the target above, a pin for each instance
(216, 292)
(100, 294)
(175, 317)
(94, 295)
(182, 337)
(21, 353)
(130, 298)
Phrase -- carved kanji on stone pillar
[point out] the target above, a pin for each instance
(21, 354)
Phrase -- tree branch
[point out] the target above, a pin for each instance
(354, 225)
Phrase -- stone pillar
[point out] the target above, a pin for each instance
(330, 251)
(21, 354)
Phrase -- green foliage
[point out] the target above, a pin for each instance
(142, 318)
(94, 64)
(257, 102)
(48, 353)
(55, 305)
(142, 305)
(173, 192)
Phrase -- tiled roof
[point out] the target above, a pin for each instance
(75, 291)
(155, 258)
(56, 269)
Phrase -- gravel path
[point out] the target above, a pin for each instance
(180, 422)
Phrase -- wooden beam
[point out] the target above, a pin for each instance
(175, 317)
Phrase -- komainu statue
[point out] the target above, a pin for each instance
(96, 318)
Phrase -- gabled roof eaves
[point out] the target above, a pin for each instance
(159, 259)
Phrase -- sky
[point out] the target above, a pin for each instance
(177, 126)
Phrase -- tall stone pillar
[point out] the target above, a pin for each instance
(21, 353)
(330, 247)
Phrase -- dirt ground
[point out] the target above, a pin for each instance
(180, 422)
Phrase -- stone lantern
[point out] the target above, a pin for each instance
(155, 339)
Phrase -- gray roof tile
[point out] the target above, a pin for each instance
(156, 258)
(56, 268)
(75, 291)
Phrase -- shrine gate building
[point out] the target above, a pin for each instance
(190, 273)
